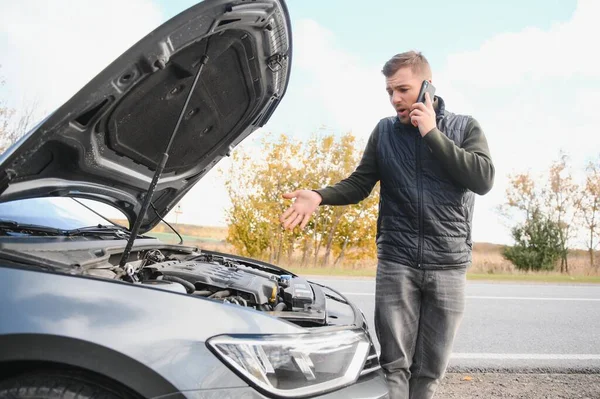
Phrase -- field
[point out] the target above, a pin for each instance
(488, 262)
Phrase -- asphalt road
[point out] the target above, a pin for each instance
(514, 327)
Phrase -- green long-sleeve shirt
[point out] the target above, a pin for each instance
(470, 166)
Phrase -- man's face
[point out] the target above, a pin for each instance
(403, 88)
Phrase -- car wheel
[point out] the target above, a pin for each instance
(52, 385)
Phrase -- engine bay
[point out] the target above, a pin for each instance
(228, 280)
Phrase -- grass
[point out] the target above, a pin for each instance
(186, 238)
(488, 262)
(538, 278)
(328, 271)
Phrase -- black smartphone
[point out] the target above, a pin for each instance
(426, 87)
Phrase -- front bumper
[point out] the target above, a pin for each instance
(372, 386)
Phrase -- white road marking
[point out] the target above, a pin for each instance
(525, 298)
(526, 356)
(518, 298)
(328, 281)
(358, 293)
(521, 356)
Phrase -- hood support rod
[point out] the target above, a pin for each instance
(159, 169)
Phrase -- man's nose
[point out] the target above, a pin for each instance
(396, 98)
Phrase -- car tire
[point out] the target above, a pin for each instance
(53, 385)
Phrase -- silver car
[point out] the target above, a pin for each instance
(92, 309)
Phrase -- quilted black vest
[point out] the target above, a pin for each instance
(424, 217)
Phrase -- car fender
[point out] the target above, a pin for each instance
(102, 324)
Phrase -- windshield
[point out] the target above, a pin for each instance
(60, 213)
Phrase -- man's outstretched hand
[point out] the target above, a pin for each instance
(306, 202)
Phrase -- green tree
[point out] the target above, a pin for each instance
(555, 201)
(537, 243)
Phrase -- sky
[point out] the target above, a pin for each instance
(527, 70)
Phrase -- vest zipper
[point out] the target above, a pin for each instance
(420, 197)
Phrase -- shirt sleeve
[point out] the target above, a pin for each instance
(470, 164)
(360, 183)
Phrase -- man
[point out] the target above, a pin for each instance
(430, 164)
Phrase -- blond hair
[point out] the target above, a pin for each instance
(413, 59)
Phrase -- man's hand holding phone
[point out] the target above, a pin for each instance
(423, 115)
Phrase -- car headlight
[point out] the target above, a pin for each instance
(295, 365)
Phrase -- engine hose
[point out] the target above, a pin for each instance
(188, 286)
(279, 307)
(238, 300)
(203, 293)
(220, 294)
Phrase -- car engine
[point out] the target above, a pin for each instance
(225, 279)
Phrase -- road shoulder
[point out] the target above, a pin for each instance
(517, 385)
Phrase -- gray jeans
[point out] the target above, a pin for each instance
(417, 315)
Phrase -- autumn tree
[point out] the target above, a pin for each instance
(258, 179)
(330, 161)
(5, 116)
(357, 230)
(552, 198)
(254, 186)
(588, 208)
(522, 196)
(14, 124)
(560, 198)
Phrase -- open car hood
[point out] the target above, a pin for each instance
(105, 142)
